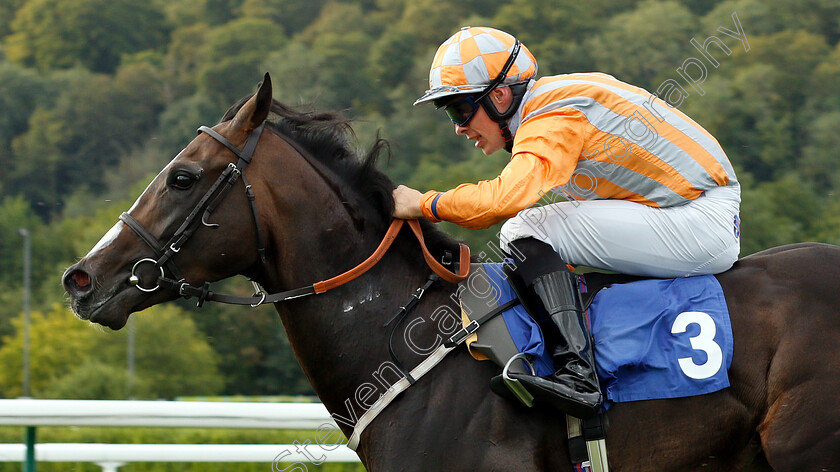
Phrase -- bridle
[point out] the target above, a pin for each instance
(204, 207)
(208, 203)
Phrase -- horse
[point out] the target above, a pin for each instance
(314, 207)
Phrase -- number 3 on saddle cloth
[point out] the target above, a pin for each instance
(656, 338)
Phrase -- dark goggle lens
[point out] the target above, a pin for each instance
(462, 111)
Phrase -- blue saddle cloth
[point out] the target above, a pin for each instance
(658, 338)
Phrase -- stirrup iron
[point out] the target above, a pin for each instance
(514, 385)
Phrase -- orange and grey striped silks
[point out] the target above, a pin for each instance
(591, 136)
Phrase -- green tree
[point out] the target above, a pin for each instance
(819, 157)
(341, 38)
(8, 9)
(63, 142)
(172, 356)
(646, 44)
(298, 78)
(778, 212)
(15, 214)
(96, 380)
(95, 33)
(757, 17)
(793, 54)
(181, 118)
(211, 12)
(292, 15)
(57, 343)
(23, 90)
(253, 351)
(183, 58)
(750, 119)
(552, 30)
(823, 94)
(232, 55)
(51, 251)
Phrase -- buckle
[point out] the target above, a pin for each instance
(463, 333)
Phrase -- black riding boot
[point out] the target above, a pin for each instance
(573, 388)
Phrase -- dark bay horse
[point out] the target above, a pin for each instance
(321, 210)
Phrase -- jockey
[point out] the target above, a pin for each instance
(646, 190)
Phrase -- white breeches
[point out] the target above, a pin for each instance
(700, 237)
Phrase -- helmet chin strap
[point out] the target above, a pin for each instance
(503, 118)
(507, 136)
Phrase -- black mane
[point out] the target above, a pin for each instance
(328, 137)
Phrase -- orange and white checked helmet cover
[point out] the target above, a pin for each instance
(471, 58)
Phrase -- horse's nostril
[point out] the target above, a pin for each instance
(82, 279)
(78, 282)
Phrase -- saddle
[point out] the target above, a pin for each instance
(653, 338)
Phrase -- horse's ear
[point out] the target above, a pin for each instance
(256, 109)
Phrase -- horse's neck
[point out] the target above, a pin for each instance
(338, 337)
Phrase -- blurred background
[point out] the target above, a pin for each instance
(96, 96)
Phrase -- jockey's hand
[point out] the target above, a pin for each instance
(407, 203)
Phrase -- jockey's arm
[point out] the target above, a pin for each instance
(482, 204)
(545, 155)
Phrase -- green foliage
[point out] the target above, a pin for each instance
(94, 33)
(339, 38)
(66, 139)
(57, 343)
(252, 348)
(171, 357)
(792, 54)
(8, 8)
(22, 89)
(298, 69)
(644, 45)
(180, 120)
(96, 380)
(819, 158)
(171, 354)
(780, 212)
(14, 215)
(292, 15)
(232, 55)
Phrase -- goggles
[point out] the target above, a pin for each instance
(463, 110)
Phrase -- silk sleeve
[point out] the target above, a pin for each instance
(545, 154)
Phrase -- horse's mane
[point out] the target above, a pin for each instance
(329, 138)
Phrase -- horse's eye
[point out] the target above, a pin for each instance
(182, 180)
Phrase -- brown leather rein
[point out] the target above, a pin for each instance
(205, 294)
(390, 236)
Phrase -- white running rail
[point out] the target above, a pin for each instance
(130, 413)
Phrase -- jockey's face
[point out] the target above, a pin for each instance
(481, 128)
(484, 131)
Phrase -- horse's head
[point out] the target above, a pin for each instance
(193, 222)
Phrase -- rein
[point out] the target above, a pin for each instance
(204, 294)
(208, 203)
